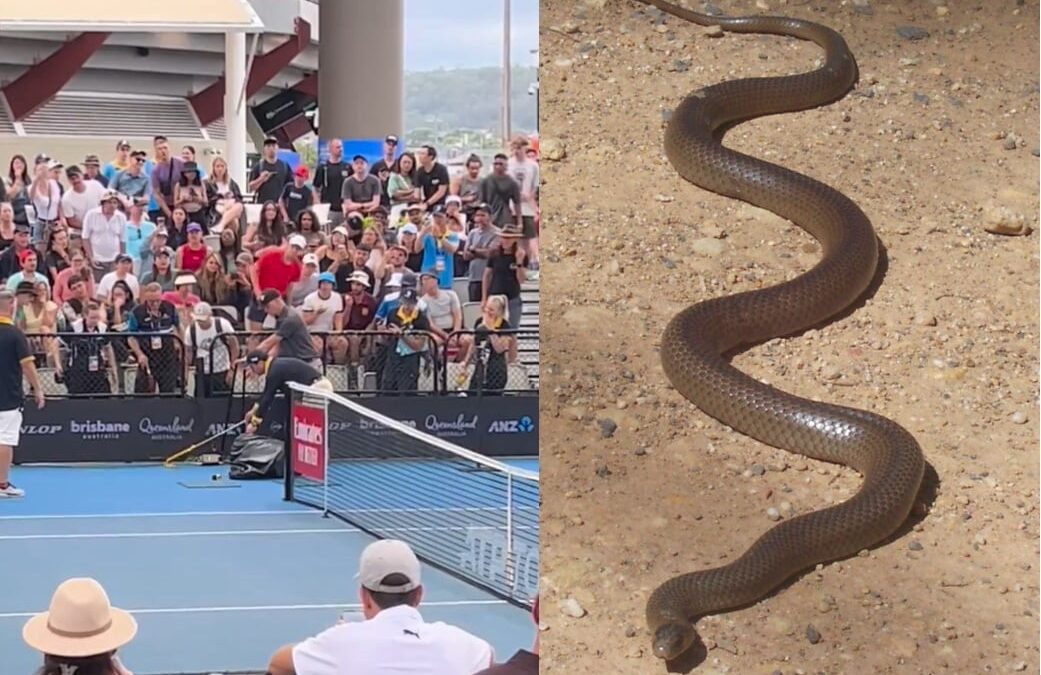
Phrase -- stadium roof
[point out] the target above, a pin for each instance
(190, 16)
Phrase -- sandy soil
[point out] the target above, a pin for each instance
(939, 139)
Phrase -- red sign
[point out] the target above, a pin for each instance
(308, 445)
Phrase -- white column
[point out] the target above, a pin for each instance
(235, 105)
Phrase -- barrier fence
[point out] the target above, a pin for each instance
(367, 363)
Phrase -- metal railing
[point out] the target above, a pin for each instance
(366, 363)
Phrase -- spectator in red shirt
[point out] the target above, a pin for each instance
(182, 298)
(359, 308)
(276, 268)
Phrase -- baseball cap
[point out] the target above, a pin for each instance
(357, 157)
(301, 171)
(383, 558)
(25, 288)
(161, 232)
(25, 254)
(409, 294)
(122, 143)
(167, 251)
(123, 257)
(193, 227)
(439, 211)
(311, 259)
(270, 295)
(92, 160)
(202, 311)
(391, 138)
(428, 273)
(327, 277)
(298, 241)
(256, 356)
(408, 228)
(453, 199)
(341, 230)
(483, 207)
(246, 258)
(270, 140)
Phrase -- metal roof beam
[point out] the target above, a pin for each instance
(209, 103)
(45, 79)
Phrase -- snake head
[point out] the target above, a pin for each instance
(672, 639)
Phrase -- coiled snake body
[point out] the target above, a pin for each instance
(695, 340)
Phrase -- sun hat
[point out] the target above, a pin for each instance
(185, 279)
(80, 622)
(360, 277)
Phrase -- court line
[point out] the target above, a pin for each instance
(165, 514)
(267, 608)
(220, 533)
(307, 512)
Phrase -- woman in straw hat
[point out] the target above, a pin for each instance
(81, 632)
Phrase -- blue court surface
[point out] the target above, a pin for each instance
(218, 574)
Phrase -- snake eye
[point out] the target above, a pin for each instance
(673, 639)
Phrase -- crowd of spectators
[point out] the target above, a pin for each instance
(151, 243)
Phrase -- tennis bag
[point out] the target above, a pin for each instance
(256, 457)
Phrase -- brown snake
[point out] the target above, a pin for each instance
(696, 339)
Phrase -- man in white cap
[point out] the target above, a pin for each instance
(394, 637)
(212, 355)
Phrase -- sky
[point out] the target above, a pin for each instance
(468, 33)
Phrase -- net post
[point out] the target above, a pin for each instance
(287, 445)
(325, 461)
(511, 571)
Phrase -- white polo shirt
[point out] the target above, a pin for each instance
(396, 640)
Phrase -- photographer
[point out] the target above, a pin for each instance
(404, 352)
(89, 365)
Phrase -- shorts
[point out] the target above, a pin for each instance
(10, 427)
(255, 312)
(528, 227)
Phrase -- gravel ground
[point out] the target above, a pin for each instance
(938, 144)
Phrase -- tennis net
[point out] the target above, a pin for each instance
(461, 511)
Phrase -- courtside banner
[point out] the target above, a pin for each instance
(308, 441)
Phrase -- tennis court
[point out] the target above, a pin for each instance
(221, 573)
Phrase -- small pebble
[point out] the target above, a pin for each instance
(640, 452)
(570, 607)
(812, 635)
(1019, 666)
(603, 471)
(1019, 417)
(713, 32)
(630, 631)
(758, 469)
(607, 427)
(915, 546)
(1009, 143)
(912, 32)
(773, 514)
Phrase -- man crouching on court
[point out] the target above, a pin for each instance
(278, 372)
(393, 637)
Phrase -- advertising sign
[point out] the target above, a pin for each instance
(308, 442)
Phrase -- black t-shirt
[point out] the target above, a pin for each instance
(14, 349)
(9, 265)
(361, 191)
(271, 190)
(430, 182)
(497, 192)
(328, 180)
(164, 321)
(381, 165)
(504, 275)
(87, 351)
(296, 339)
(420, 323)
(414, 262)
(59, 263)
(296, 199)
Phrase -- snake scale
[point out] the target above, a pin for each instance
(696, 340)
